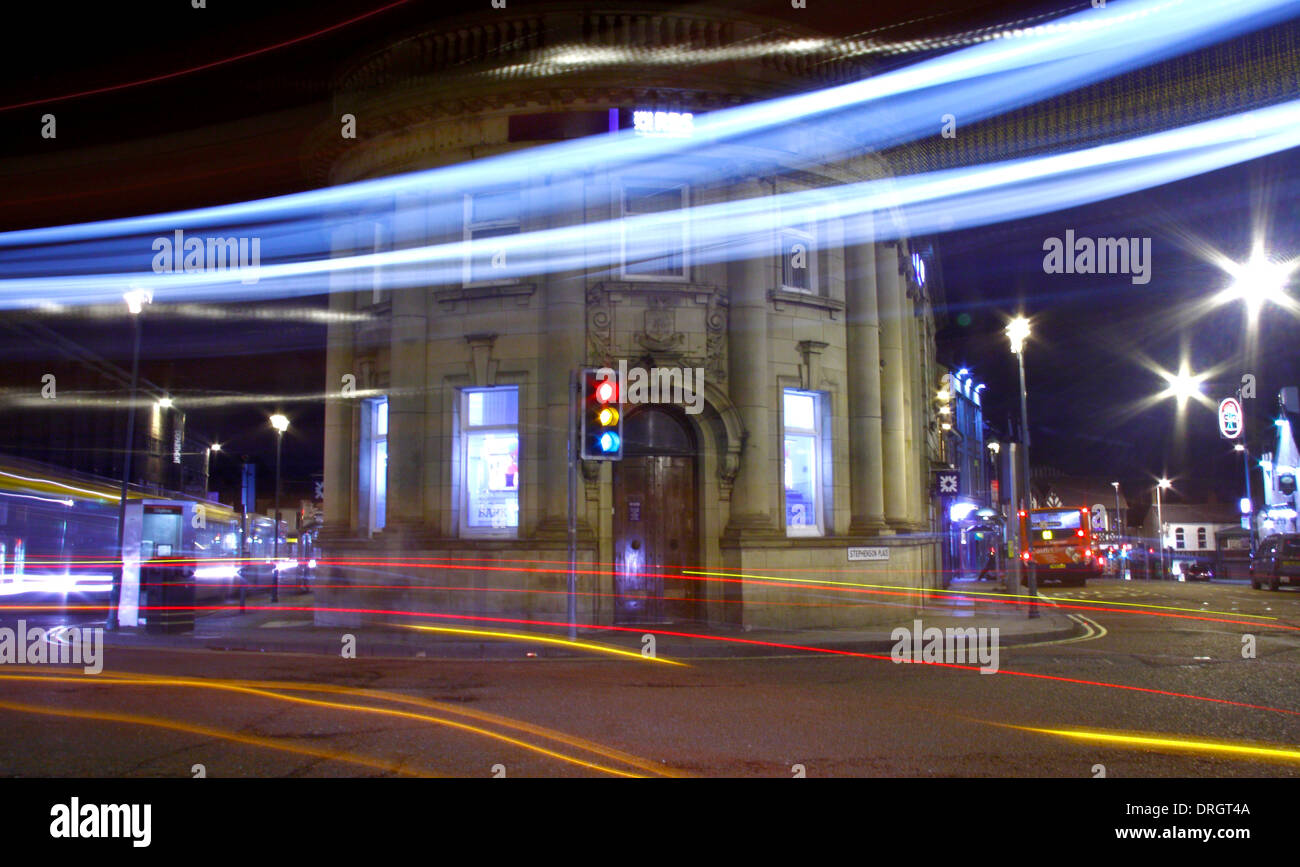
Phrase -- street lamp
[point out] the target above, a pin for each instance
(1018, 332)
(1183, 385)
(281, 424)
(1161, 485)
(135, 300)
(1258, 280)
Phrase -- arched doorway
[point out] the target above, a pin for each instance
(656, 527)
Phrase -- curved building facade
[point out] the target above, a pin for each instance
(802, 440)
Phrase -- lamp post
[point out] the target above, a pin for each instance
(135, 300)
(994, 448)
(207, 463)
(1160, 520)
(1119, 536)
(1017, 332)
(281, 424)
(1245, 465)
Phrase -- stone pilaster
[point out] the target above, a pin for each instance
(893, 420)
(753, 496)
(866, 469)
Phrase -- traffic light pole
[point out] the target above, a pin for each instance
(575, 392)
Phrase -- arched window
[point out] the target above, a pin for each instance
(1180, 540)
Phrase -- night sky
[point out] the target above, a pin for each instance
(1086, 375)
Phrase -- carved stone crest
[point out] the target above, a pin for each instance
(660, 334)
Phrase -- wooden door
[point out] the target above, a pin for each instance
(655, 539)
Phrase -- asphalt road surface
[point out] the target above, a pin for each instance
(175, 713)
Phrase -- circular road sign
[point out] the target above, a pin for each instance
(1230, 418)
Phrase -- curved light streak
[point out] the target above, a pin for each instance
(926, 203)
(773, 644)
(547, 639)
(1170, 742)
(982, 80)
(205, 731)
(150, 680)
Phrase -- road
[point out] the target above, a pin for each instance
(175, 713)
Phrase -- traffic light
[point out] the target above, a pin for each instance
(602, 416)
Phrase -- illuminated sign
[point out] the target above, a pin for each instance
(663, 124)
(1230, 419)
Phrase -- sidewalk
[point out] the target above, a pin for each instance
(296, 632)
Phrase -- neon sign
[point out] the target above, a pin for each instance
(663, 124)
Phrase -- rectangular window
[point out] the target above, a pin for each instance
(489, 433)
(798, 261)
(490, 216)
(373, 471)
(654, 251)
(803, 463)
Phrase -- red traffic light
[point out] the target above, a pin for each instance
(602, 417)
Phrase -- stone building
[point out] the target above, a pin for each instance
(816, 433)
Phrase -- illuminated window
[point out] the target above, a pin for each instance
(373, 471)
(803, 462)
(489, 433)
(490, 219)
(798, 261)
(657, 252)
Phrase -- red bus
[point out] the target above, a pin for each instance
(1059, 542)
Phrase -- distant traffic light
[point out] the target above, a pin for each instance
(602, 416)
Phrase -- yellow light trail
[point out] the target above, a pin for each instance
(229, 686)
(482, 716)
(1230, 748)
(547, 639)
(932, 590)
(208, 731)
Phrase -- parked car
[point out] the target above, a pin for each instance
(1276, 562)
(1198, 572)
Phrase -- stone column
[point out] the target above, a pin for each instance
(754, 494)
(340, 448)
(407, 377)
(866, 473)
(893, 420)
